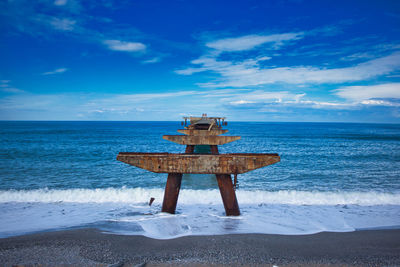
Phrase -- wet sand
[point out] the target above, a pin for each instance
(90, 247)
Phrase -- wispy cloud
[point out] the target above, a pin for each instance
(75, 20)
(264, 96)
(5, 86)
(152, 60)
(383, 95)
(63, 24)
(134, 98)
(360, 93)
(96, 106)
(12, 90)
(358, 56)
(244, 68)
(249, 73)
(241, 102)
(261, 99)
(56, 71)
(249, 42)
(382, 102)
(118, 45)
(275, 105)
(60, 2)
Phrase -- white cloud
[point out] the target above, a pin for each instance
(263, 58)
(62, 24)
(60, 2)
(56, 71)
(241, 102)
(118, 45)
(152, 60)
(190, 71)
(374, 102)
(359, 93)
(326, 105)
(235, 71)
(249, 42)
(249, 73)
(261, 98)
(264, 100)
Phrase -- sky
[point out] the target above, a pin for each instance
(273, 61)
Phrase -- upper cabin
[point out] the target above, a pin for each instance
(204, 123)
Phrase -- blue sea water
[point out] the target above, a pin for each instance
(332, 177)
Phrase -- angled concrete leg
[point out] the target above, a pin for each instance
(228, 194)
(171, 192)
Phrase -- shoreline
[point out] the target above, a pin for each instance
(89, 247)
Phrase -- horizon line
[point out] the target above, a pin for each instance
(344, 122)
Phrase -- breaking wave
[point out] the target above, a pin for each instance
(188, 196)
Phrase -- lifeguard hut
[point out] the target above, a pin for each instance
(204, 131)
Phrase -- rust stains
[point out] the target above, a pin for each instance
(235, 163)
(201, 132)
(200, 139)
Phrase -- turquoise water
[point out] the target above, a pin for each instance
(326, 169)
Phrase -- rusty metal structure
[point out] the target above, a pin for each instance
(204, 131)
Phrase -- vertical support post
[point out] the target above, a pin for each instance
(189, 149)
(214, 149)
(228, 194)
(171, 192)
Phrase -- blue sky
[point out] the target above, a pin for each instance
(329, 61)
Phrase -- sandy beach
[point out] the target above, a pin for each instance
(90, 247)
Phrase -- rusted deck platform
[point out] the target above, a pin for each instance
(233, 163)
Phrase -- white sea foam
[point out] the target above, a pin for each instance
(193, 219)
(199, 212)
(188, 196)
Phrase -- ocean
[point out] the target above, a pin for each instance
(64, 175)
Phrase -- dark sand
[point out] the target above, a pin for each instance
(89, 247)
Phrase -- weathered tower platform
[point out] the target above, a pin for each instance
(200, 131)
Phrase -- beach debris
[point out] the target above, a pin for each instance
(201, 131)
(151, 201)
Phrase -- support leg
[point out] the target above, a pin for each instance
(228, 194)
(171, 192)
